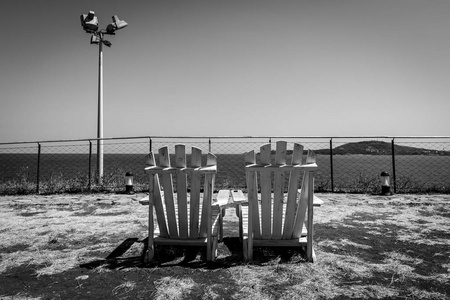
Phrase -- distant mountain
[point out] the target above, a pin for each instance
(379, 148)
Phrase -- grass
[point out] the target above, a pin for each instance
(368, 247)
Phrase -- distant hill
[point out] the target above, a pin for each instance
(379, 148)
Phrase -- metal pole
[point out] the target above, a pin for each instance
(331, 165)
(100, 113)
(38, 168)
(90, 163)
(393, 166)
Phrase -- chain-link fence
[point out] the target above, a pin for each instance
(415, 164)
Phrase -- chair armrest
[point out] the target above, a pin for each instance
(223, 198)
(238, 197)
(316, 200)
(144, 201)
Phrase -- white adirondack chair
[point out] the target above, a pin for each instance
(275, 220)
(181, 222)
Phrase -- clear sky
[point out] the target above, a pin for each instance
(227, 68)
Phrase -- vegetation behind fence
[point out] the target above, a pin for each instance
(346, 164)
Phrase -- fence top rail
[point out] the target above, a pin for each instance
(227, 137)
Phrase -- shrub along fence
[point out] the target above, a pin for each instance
(346, 164)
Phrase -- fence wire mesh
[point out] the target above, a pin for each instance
(415, 165)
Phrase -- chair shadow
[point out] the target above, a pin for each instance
(229, 254)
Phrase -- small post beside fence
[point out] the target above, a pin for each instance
(38, 168)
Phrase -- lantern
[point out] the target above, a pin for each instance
(129, 183)
(385, 184)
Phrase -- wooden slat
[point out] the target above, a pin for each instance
(180, 162)
(205, 222)
(214, 221)
(252, 186)
(280, 159)
(301, 209)
(266, 191)
(311, 158)
(281, 243)
(211, 160)
(196, 162)
(164, 161)
(244, 212)
(159, 207)
(280, 154)
(297, 154)
(151, 223)
(250, 158)
(291, 209)
(206, 205)
(176, 242)
(207, 202)
(155, 195)
(193, 242)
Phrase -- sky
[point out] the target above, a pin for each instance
(226, 68)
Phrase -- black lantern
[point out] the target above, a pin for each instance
(385, 184)
(129, 183)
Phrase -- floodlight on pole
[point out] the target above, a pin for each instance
(89, 23)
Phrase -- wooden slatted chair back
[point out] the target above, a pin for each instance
(275, 216)
(180, 218)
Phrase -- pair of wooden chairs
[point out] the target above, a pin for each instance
(268, 218)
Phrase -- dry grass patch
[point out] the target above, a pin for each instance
(368, 247)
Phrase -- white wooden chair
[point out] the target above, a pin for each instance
(182, 222)
(276, 220)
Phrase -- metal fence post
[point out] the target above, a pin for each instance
(331, 165)
(209, 144)
(393, 166)
(150, 144)
(38, 168)
(90, 163)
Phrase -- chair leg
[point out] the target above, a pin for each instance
(313, 256)
(149, 250)
(309, 252)
(245, 250)
(150, 255)
(221, 215)
(241, 227)
(214, 249)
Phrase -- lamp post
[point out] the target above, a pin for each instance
(89, 23)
